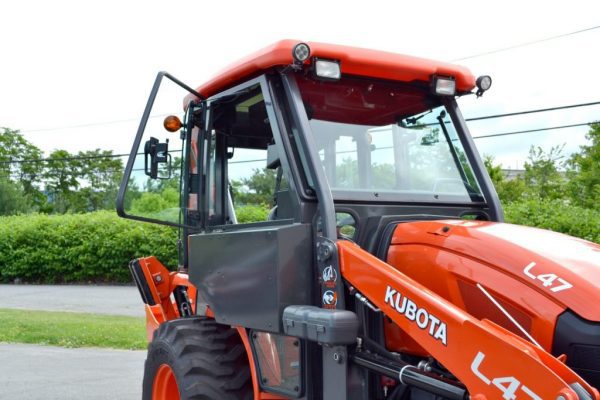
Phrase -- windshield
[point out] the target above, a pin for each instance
(395, 154)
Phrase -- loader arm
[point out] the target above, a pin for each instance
(490, 361)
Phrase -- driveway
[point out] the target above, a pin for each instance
(114, 300)
(55, 373)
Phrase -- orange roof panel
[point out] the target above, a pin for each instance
(353, 60)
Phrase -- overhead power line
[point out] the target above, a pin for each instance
(92, 124)
(526, 44)
(468, 119)
(74, 158)
(532, 130)
(511, 114)
(34, 160)
(539, 110)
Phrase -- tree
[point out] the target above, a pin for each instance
(494, 171)
(11, 198)
(99, 174)
(508, 190)
(20, 162)
(584, 173)
(60, 178)
(258, 189)
(542, 177)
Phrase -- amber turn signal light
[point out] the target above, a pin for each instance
(172, 123)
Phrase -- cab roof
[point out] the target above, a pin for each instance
(353, 61)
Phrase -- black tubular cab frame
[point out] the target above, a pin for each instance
(324, 374)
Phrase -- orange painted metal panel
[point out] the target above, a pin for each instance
(479, 353)
(564, 269)
(353, 60)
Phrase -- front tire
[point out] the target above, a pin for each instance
(196, 358)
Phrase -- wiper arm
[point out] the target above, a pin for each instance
(413, 120)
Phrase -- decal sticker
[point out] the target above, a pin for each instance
(508, 385)
(553, 281)
(424, 320)
(329, 299)
(329, 277)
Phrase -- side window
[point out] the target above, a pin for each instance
(153, 180)
(246, 181)
(252, 184)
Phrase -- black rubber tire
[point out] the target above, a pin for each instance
(209, 360)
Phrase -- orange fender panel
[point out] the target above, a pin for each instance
(480, 354)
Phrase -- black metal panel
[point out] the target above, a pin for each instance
(579, 339)
(248, 277)
(141, 282)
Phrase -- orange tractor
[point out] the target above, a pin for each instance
(383, 269)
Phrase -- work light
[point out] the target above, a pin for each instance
(444, 86)
(327, 69)
(484, 82)
(301, 52)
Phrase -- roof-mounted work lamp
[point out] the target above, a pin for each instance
(444, 86)
(323, 69)
(327, 69)
(484, 82)
(301, 53)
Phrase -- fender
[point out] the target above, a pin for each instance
(421, 313)
(156, 284)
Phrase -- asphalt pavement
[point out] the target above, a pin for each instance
(52, 373)
(97, 299)
(57, 373)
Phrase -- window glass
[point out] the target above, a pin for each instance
(252, 186)
(346, 225)
(158, 197)
(383, 141)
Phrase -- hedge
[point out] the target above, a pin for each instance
(94, 247)
(556, 215)
(97, 247)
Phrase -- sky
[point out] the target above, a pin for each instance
(75, 75)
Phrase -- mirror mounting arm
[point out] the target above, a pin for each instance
(159, 154)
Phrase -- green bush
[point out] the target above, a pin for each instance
(556, 215)
(94, 247)
(251, 213)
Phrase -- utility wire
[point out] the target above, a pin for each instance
(33, 160)
(92, 124)
(454, 60)
(512, 114)
(540, 110)
(163, 115)
(526, 44)
(248, 161)
(532, 130)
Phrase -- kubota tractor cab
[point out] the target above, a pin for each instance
(382, 269)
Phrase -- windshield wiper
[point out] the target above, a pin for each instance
(413, 120)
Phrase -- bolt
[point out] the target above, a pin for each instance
(338, 358)
(296, 343)
(265, 380)
(158, 278)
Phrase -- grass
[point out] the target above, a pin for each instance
(72, 329)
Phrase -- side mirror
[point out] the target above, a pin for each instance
(159, 154)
